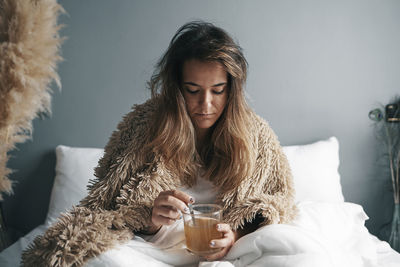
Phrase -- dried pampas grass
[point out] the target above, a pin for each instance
(29, 53)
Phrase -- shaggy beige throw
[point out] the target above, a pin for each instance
(29, 53)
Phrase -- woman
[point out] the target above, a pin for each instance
(195, 135)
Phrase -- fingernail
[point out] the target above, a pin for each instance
(191, 200)
(218, 227)
(186, 209)
(212, 243)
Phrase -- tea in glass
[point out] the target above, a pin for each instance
(201, 228)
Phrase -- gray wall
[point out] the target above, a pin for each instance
(316, 69)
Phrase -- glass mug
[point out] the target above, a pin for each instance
(201, 227)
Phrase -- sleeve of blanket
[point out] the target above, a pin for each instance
(122, 158)
(97, 224)
(78, 235)
(270, 191)
(122, 168)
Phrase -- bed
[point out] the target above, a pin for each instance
(327, 232)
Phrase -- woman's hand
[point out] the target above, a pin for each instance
(167, 206)
(225, 243)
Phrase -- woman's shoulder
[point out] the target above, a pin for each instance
(143, 110)
(258, 122)
(262, 130)
(150, 105)
(129, 138)
(135, 125)
(139, 115)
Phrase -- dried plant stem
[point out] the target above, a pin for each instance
(394, 183)
(397, 175)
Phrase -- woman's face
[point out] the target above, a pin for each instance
(205, 89)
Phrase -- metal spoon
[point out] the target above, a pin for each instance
(192, 213)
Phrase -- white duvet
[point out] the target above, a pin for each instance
(324, 234)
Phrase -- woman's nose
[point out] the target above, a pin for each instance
(206, 98)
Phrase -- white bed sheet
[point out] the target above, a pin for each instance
(324, 234)
(11, 256)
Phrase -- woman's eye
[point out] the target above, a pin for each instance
(219, 92)
(191, 91)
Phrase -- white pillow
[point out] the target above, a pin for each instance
(74, 168)
(315, 171)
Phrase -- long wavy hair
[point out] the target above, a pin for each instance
(230, 155)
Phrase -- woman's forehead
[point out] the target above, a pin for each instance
(204, 72)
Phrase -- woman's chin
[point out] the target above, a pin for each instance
(204, 125)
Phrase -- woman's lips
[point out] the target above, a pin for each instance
(204, 115)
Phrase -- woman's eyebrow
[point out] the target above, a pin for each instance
(219, 84)
(195, 84)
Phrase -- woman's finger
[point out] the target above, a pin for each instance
(223, 227)
(159, 219)
(227, 241)
(167, 205)
(169, 199)
(167, 212)
(181, 196)
(221, 243)
(218, 255)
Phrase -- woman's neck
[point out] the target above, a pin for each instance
(203, 138)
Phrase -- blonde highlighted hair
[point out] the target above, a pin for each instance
(230, 156)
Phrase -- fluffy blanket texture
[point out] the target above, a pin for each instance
(119, 202)
(29, 53)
